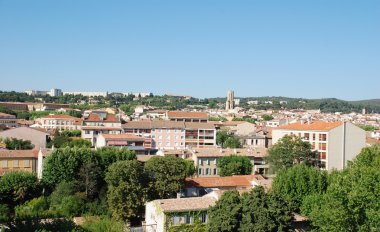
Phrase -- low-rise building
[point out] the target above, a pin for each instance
(182, 116)
(8, 120)
(134, 143)
(335, 142)
(162, 215)
(59, 122)
(37, 136)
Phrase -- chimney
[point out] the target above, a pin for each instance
(235, 151)
(178, 195)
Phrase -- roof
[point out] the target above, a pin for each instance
(25, 122)
(94, 117)
(167, 124)
(100, 128)
(137, 125)
(217, 152)
(7, 115)
(215, 182)
(312, 126)
(186, 204)
(121, 137)
(198, 125)
(183, 114)
(144, 158)
(60, 116)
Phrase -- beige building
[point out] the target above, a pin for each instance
(182, 116)
(134, 143)
(230, 103)
(8, 120)
(59, 122)
(37, 136)
(335, 142)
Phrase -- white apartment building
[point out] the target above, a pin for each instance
(59, 122)
(335, 142)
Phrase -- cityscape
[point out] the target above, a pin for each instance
(189, 116)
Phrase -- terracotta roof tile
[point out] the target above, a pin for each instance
(59, 116)
(313, 126)
(183, 114)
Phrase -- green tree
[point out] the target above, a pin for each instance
(18, 187)
(35, 208)
(234, 165)
(103, 224)
(232, 142)
(167, 175)
(226, 214)
(288, 151)
(18, 144)
(126, 189)
(90, 176)
(267, 117)
(4, 213)
(296, 183)
(221, 137)
(190, 168)
(71, 206)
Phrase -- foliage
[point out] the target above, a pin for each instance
(296, 183)
(103, 224)
(126, 189)
(71, 206)
(232, 142)
(288, 151)
(217, 119)
(90, 176)
(234, 165)
(70, 133)
(264, 212)
(226, 214)
(18, 144)
(62, 140)
(35, 208)
(351, 200)
(267, 117)
(167, 175)
(18, 187)
(221, 137)
(190, 168)
(4, 213)
(368, 127)
(63, 189)
(61, 225)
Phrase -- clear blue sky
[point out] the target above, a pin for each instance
(312, 49)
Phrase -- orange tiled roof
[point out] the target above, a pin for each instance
(215, 182)
(121, 136)
(312, 126)
(182, 114)
(60, 116)
(96, 118)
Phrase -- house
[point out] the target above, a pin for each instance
(133, 142)
(335, 142)
(162, 215)
(182, 116)
(59, 122)
(206, 159)
(99, 122)
(259, 139)
(276, 122)
(200, 186)
(22, 160)
(157, 114)
(37, 136)
(8, 120)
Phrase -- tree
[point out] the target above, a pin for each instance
(35, 208)
(190, 168)
(232, 142)
(4, 213)
(167, 175)
(266, 117)
(126, 189)
(18, 187)
(296, 183)
(71, 206)
(234, 165)
(288, 151)
(221, 137)
(18, 144)
(226, 214)
(90, 178)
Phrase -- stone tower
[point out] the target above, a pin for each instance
(230, 100)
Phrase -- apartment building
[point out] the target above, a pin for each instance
(335, 142)
(174, 135)
(182, 116)
(59, 122)
(8, 120)
(97, 123)
(134, 143)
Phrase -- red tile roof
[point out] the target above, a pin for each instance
(7, 115)
(122, 136)
(96, 118)
(216, 182)
(183, 114)
(59, 116)
(312, 126)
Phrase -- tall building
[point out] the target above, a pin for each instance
(55, 92)
(230, 100)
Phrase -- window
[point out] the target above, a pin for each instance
(323, 146)
(160, 137)
(200, 171)
(176, 144)
(168, 137)
(322, 155)
(167, 143)
(26, 164)
(15, 163)
(4, 164)
(188, 219)
(307, 136)
(207, 171)
(208, 161)
(314, 136)
(215, 172)
(322, 137)
(176, 220)
(203, 218)
(168, 130)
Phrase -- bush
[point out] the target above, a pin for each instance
(234, 165)
(103, 224)
(35, 208)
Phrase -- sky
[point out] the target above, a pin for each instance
(293, 48)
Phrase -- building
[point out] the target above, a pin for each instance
(87, 94)
(182, 116)
(174, 135)
(37, 136)
(99, 122)
(375, 134)
(59, 122)
(8, 120)
(335, 142)
(230, 100)
(22, 160)
(133, 142)
(276, 122)
(205, 160)
(162, 215)
(15, 106)
(200, 186)
(55, 92)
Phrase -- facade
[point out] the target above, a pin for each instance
(181, 116)
(97, 123)
(37, 136)
(276, 123)
(335, 142)
(132, 142)
(22, 160)
(230, 103)
(59, 122)
(174, 135)
(8, 120)
(205, 160)
(162, 215)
